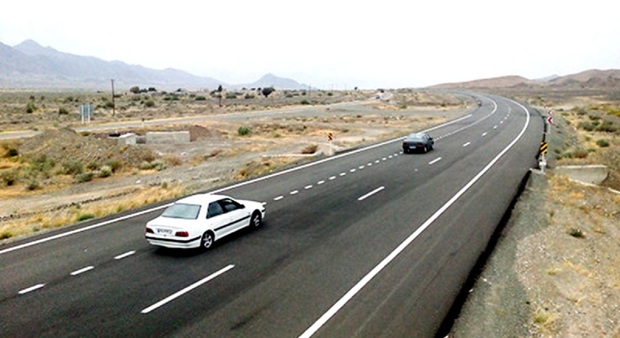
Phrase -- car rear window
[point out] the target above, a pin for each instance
(182, 210)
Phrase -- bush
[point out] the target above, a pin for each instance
(249, 96)
(607, 127)
(200, 98)
(33, 184)
(149, 104)
(30, 107)
(6, 235)
(85, 177)
(84, 217)
(587, 126)
(115, 165)
(106, 171)
(602, 143)
(63, 111)
(243, 131)
(10, 177)
(72, 168)
(305, 102)
(11, 152)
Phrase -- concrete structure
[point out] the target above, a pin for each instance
(591, 174)
(127, 139)
(167, 137)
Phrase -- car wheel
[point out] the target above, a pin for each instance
(425, 149)
(405, 151)
(256, 221)
(207, 240)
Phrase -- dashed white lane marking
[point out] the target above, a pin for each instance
(81, 271)
(369, 164)
(332, 178)
(495, 127)
(320, 182)
(361, 167)
(186, 290)
(370, 193)
(126, 254)
(278, 198)
(352, 170)
(377, 161)
(384, 159)
(294, 192)
(466, 144)
(484, 134)
(30, 289)
(308, 187)
(434, 161)
(343, 174)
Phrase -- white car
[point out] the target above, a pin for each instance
(199, 220)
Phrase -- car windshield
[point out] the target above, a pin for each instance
(182, 210)
(415, 137)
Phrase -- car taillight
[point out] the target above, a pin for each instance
(182, 234)
(150, 231)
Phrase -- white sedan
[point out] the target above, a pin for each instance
(199, 220)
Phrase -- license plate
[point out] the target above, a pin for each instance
(164, 231)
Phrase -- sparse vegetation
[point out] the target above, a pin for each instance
(244, 131)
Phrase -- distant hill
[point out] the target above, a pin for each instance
(591, 79)
(271, 80)
(30, 65)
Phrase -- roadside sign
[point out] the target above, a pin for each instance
(550, 120)
(330, 137)
(544, 147)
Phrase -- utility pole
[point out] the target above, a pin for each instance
(113, 105)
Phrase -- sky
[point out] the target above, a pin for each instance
(330, 44)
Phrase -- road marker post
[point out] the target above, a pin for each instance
(330, 138)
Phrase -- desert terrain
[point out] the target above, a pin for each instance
(552, 270)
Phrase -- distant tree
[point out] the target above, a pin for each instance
(134, 89)
(152, 89)
(267, 91)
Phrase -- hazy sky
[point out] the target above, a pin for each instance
(331, 43)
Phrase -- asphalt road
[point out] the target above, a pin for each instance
(369, 243)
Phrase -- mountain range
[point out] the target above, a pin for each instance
(30, 65)
(590, 79)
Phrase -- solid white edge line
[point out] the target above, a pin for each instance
(434, 161)
(126, 254)
(80, 271)
(370, 193)
(278, 198)
(186, 290)
(30, 289)
(94, 226)
(375, 271)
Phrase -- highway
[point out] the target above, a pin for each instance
(368, 243)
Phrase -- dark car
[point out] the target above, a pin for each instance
(418, 142)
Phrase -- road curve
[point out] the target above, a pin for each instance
(367, 243)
